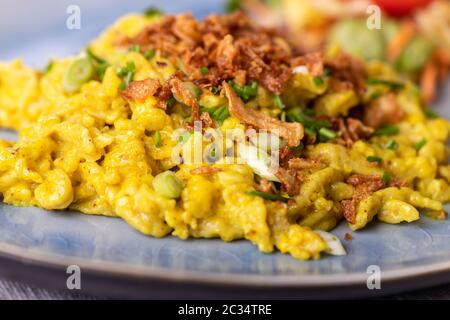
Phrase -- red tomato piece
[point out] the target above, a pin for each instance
(399, 8)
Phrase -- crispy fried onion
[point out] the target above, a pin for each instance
(141, 90)
(184, 95)
(364, 187)
(351, 130)
(383, 110)
(292, 132)
(347, 73)
(292, 175)
(205, 170)
(231, 46)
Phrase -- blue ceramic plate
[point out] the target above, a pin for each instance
(408, 255)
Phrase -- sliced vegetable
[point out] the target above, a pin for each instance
(327, 134)
(153, 12)
(311, 125)
(391, 145)
(78, 73)
(219, 114)
(204, 70)
(393, 85)
(400, 8)
(374, 159)
(246, 92)
(192, 88)
(258, 160)
(149, 54)
(419, 145)
(386, 178)
(171, 102)
(127, 73)
(135, 48)
(183, 138)
(168, 185)
(416, 54)
(430, 114)
(355, 38)
(318, 80)
(335, 246)
(279, 102)
(387, 130)
(100, 64)
(158, 140)
(49, 66)
(268, 196)
(232, 5)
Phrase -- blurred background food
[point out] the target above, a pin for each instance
(414, 35)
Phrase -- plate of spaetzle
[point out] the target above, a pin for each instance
(276, 146)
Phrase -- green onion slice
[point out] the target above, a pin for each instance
(78, 73)
(268, 196)
(168, 185)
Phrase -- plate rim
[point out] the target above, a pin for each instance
(116, 269)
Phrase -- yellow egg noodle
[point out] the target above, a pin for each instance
(95, 152)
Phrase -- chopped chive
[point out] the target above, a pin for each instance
(171, 102)
(386, 178)
(393, 85)
(375, 95)
(298, 148)
(219, 114)
(279, 102)
(128, 78)
(310, 124)
(131, 66)
(153, 12)
(135, 48)
(215, 90)
(183, 138)
(268, 196)
(149, 54)
(246, 92)
(158, 140)
(387, 130)
(318, 81)
(122, 86)
(309, 131)
(232, 5)
(391, 145)
(127, 74)
(430, 114)
(327, 134)
(326, 72)
(374, 159)
(309, 112)
(93, 56)
(49, 66)
(419, 145)
(204, 70)
(100, 64)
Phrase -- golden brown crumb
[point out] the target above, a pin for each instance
(348, 237)
(141, 90)
(383, 110)
(292, 132)
(230, 46)
(205, 170)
